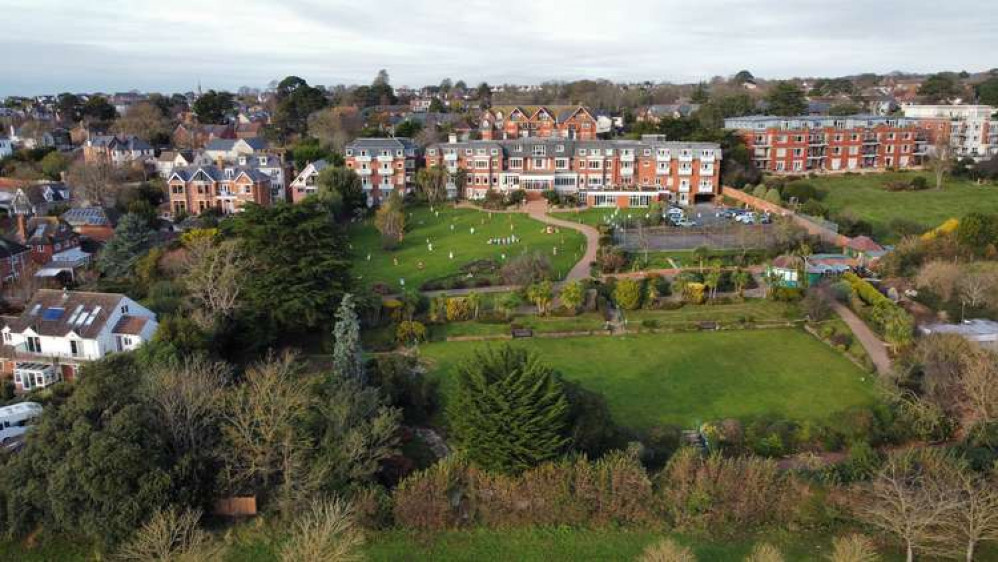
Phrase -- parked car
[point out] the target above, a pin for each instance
(766, 219)
(746, 218)
(687, 223)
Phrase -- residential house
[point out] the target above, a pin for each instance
(31, 197)
(383, 165)
(90, 222)
(574, 122)
(46, 236)
(604, 173)
(14, 258)
(118, 150)
(980, 331)
(304, 183)
(196, 189)
(61, 330)
(830, 144)
(420, 104)
(187, 135)
(229, 149)
(170, 159)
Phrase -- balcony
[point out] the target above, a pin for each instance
(627, 158)
(817, 141)
(362, 158)
(686, 171)
(386, 171)
(450, 157)
(705, 189)
(685, 157)
(870, 140)
(684, 187)
(707, 170)
(663, 157)
(364, 171)
(384, 158)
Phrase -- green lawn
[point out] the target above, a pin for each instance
(372, 264)
(595, 216)
(683, 378)
(751, 310)
(865, 197)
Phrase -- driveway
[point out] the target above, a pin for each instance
(870, 342)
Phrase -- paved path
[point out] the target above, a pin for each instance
(874, 347)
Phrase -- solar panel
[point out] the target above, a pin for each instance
(53, 313)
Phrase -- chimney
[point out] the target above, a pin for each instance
(22, 227)
(452, 138)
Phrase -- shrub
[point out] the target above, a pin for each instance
(627, 294)
(458, 309)
(410, 332)
(528, 268)
(760, 191)
(773, 196)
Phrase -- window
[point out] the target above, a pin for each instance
(516, 163)
(561, 163)
(34, 344)
(124, 309)
(538, 163)
(74, 348)
(539, 150)
(6, 336)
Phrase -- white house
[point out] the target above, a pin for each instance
(304, 184)
(60, 330)
(230, 149)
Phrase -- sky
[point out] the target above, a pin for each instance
(51, 46)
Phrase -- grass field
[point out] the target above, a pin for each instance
(683, 378)
(864, 197)
(596, 216)
(483, 545)
(466, 247)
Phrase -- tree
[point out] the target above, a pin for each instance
(265, 447)
(171, 535)
(700, 93)
(348, 359)
(979, 382)
(572, 295)
(300, 267)
(940, 87)
(326, 532)
(54, 164)
(773, 196)
(296, 100)
(786, 98)
(845, 108)
(432, 184)
(145, 121)
(389, 219)
(667, 550)
(509, 411)
(335, 126)
(341, 189)
(132, 238)
(987, 92)
(69, 107)
(214, 107)
(940, 160)
(94, 183)
(712, 280)
(525, 269)
(97, 108)
(96, 466)
(975, 519)
(905, 500)
(741, 278)
(627, 293)
(541, 295)
(764, 552)
(214, 273)
(978, 231)
(742, 77)
(853, 548)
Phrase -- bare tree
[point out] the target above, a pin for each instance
(143, 120)
(667, 550)
(94, 183)
(940, 159)
(979, 382)
(325, 533)
(214, 278)
(940, 277)
(853, 548)
(189, 399)
(976, 286)
(265, 447)
(976, 518)
(336, 126)
(171, 536)
(906, 501)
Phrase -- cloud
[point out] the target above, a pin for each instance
(58, 45)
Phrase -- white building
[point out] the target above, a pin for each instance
(60, 330)
(972, 129)
(6, 147)
(304, 184)
(250, 153)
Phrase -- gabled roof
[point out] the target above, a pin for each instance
(47, 231)
(225, 145)
(216, 174)
(130, 325)
(57, 313)
(864, 244)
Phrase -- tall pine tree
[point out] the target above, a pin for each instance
(348, 360)
(510, 411)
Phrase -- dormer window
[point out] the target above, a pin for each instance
(242, 160)
(263, 160)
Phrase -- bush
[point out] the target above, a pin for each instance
(410, 332)
(526, 269)
(458, 309)
(627, 294)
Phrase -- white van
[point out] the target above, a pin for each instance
(15, 419)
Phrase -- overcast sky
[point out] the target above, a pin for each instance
(50, 46)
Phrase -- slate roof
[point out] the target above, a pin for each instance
(50, 311)
(47, 231)
(87, 216)
(217, 174)
(525, 146)
(395, 143)
(225, 145)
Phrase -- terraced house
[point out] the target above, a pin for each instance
(557, 121)
(382, 164)
(117, 150)
(195, 189)
(621, 173)
(831, 143)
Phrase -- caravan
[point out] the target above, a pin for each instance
(16, 418)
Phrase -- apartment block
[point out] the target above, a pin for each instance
(196, 189)
(618, 173)
(831, 143)
(972, 130)
(573, 122)
(382, 164)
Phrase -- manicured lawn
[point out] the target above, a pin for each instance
(683, 378)
(865, 197)
(596, 216)
(372, 264)
(752, 310)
